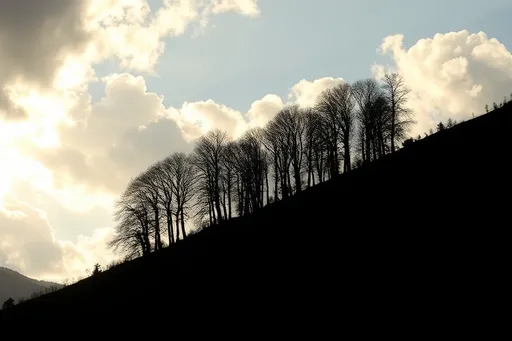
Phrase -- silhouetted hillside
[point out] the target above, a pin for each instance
(415, 240)
(17, 286)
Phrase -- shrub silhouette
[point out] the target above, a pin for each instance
(8, 303)
(96, 270)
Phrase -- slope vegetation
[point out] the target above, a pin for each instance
(415, 231)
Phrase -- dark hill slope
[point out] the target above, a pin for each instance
(418, 231)
(17, 286)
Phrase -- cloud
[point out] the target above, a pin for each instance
(245, 7)
(451, 75)
(264, 110)
(197, 118)
(114, 139)
(55, 44)
(306, 92)
(28, 245)
(38, 38)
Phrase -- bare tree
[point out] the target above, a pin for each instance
(381, 116)
(396, 94)
(133, 229)
(272, 143)
(147, 185)
(366, 93)
(250, 159)
(312, 143)
(276, 142)
(336, 106)
(165, 181)
(208, 160)
(180, 166)
(228, 178)
(289, 127)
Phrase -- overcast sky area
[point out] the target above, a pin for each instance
(94, 91)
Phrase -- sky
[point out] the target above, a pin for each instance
(94, 91)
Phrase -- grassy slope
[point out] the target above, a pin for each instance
(412, 232)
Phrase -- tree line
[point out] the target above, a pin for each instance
(350, 125)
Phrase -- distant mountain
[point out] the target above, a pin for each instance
(15, 285)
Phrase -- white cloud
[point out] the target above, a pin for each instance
(28, 244)
(79, 34)
(114, 139)
(129, 31)
(264, 110)
(246, 7)
(197, 118)
(306, 92)
(451, 75)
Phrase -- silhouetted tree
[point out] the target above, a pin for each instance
(148, 186)
(175, 177)
(96, 270)
(400, 116)
(208, 156)
(250, 161)
(271, 142)
(166, 183)
(381, 115)
(486, 108)
(355, 123)
(289, 126)
(278, 139)
(313, 143)
(229, 176)
(8, 303)
(366, 94)
(133, 229)
(494, 105)
(336, 108)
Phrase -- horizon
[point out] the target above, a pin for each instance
(82, 116)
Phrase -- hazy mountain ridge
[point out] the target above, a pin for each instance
(17, 286)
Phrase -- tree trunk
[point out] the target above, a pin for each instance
(310, 163)
(217, 205)
(276, 180)
(177, 216)
(170, 229)
(224, 201)
(393, 116)
(289, 180)
(146, 239)
(346, 146)
(229, 194)
(158, 240)
(210, 212)
(298, 184)
(183, 222)
(266, 184)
